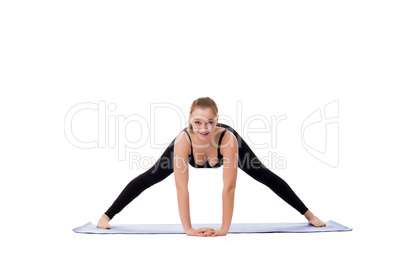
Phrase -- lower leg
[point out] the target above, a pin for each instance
(158, 172)
(129, 193)
(251, 165)
(282, 189)
(133, 189)
(278, 186)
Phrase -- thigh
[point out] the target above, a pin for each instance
(162, 168)
(247, 158)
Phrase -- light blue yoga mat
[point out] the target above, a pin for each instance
(332, 226)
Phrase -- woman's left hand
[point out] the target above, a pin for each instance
(219, 232)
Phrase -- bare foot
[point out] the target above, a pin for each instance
(104, 222)
(314, 220)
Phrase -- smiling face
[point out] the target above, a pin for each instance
(203, 121)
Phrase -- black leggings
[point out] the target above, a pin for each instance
(248, 162)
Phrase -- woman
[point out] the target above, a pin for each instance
(207, 144)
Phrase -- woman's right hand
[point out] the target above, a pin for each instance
(200, 232)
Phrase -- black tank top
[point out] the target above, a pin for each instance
(191, 160)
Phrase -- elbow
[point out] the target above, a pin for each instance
(229, 188)
(182, 189)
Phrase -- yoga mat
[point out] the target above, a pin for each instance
(332, 226)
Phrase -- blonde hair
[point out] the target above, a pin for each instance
(205, 102)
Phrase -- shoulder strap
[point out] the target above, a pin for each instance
(220, 140)
(191, 144)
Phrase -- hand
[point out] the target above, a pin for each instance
(220, 232)
(200, 232)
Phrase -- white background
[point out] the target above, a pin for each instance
(282, 58)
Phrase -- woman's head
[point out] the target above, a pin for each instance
(203, 116)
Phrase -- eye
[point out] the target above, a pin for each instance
(197, 122)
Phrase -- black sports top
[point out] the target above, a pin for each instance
(191, 160)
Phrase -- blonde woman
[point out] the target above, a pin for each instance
(205, 143)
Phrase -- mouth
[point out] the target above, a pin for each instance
(204, 134)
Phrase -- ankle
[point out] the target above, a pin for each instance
(105, 217)
(309, 215)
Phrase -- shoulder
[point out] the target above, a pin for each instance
(182, 144)
(229, 143)
(228, 136)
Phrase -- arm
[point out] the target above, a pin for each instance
(181, 152)
(180, 167)
(230, 164)
(181, 178)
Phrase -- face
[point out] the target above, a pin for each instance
(204, 122)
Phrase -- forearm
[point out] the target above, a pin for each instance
(184, 208)
(227, 205)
